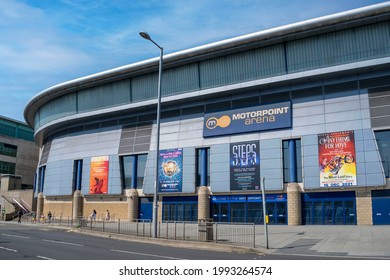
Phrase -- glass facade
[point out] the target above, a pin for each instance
(332, 208)
(180, 209)
(203, 167)
(292, 161)
(7, 168)
(133, 170)
(383, 141)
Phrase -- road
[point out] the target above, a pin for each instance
(18, 242)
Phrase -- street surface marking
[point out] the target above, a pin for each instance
(44, 258)
(8, 249)
(16, 236)
(149, 255)
(62, 242)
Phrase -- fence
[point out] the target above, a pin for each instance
(242, 234)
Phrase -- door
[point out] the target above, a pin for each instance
(381, 207)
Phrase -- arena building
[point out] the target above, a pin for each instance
(305, 106)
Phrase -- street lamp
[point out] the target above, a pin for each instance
(146, 36)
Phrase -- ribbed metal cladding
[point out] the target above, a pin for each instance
(380, 107)
(135, 139)
(245, 66)
(45, 153)
(57, 108)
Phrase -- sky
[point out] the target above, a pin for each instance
(47, 42)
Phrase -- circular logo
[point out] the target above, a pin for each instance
(212, 123)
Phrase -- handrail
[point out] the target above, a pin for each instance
(25, 203)
(19, 204)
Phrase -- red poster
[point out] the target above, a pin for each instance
(337, 159)
(98, 182)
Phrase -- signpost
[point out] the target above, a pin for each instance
(265, 217)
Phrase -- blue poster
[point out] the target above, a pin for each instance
(170, 171)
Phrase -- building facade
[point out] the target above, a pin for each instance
(305, 106)
(18, 162)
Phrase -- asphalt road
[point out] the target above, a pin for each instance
(18, 242)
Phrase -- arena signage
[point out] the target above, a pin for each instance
(259, 118)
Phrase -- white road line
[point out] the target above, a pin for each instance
(16, 236)
(8, 249)
(44, 258)
(62, 242)
(149, 255)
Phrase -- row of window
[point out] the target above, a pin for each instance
(8, 149)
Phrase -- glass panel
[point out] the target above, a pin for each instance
(350, 217)
(317, 219)
(224, 214)
(172, 212)
(127, 171)
(194, 210)
(270, 209)
(141, 165)
(255, 213)
(180, 212)
(237, 212)
(339, 213)
(383, 141)
(166, 212)
(281, 213)
(187, 212)
(307, 213)
(215, 212)
(328, 212)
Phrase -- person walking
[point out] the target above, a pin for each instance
(49, 216)
(93, 215)
(108, 217)
(20, 214)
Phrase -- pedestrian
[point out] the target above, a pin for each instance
(49, 215)
(20, 214)
(108, 215)
(93, 215)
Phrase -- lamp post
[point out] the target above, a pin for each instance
(146, 36)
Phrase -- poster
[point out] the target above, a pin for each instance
(337, 159)
(244, 166)
(170, 170)
(98, 180)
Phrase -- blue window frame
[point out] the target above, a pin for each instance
(383, 141)
(292, 161)
(133, 170)
(77, 174)
(180, 209)
(203, 167)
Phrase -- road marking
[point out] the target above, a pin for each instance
(16, 236)
(8, 249)
(62, 242)
(44, 258)
(148, 255)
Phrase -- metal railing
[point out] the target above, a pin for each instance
(242, 234)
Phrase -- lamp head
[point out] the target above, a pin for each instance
(145, 35)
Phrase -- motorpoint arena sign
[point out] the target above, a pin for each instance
(258, 118)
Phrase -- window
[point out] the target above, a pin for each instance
(203, 167)
(8, 149)
(133, 170)
(77, 174)
(7, 167)
(41, 178)
(383, 141)
(292, 161)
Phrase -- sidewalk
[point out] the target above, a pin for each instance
(351, 241)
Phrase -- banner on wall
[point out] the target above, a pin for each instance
(170, 170)
(99, 175)
(252, 119)
(244, 166)
(337, 159)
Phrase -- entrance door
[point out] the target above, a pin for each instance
(381, 207)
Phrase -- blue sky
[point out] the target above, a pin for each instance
(46, 42)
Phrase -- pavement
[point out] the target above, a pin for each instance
(366, 242)
(360, 242)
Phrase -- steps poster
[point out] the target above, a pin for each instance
(244, 166)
